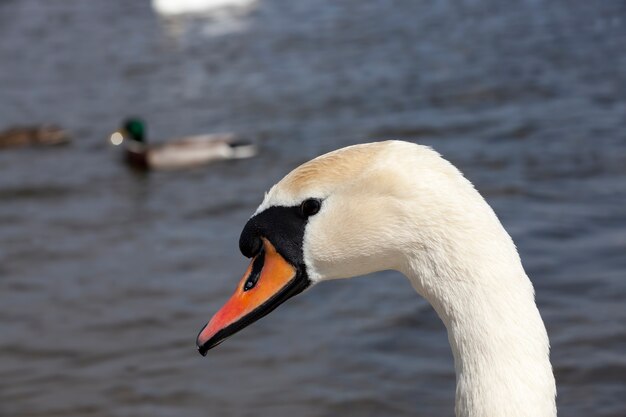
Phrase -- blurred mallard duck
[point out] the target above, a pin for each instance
(180, 152)
(44, 135)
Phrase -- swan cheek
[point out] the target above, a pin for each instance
(345, 243)
(268, 282)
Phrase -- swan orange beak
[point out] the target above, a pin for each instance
(268, 282)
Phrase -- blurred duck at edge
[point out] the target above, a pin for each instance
(177, 153)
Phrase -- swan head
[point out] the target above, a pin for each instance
(350, 212)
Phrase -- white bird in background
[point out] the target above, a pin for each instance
(178, 7)
(400, 206)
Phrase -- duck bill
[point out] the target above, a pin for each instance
(117, 137)
(269, 281)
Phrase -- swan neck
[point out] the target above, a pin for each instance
(498, 339)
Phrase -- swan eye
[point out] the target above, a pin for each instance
(310, 207)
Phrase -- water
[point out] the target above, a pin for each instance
(107, 275)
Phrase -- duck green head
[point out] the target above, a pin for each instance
(135, 129)
(132, 129)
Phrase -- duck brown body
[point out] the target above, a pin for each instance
(41, 135)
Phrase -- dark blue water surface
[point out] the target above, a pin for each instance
(107, 275)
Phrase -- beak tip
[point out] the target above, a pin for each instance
(202, 345)
(202, 350)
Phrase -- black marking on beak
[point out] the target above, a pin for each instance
(257, 266)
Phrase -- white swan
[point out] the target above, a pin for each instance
(178, 7)
(396, 205)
